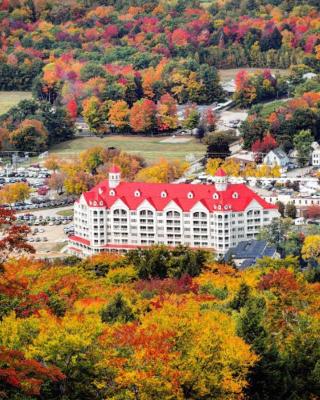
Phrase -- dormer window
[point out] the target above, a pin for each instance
(137, 193)
(164, 194)
(235, 195)
(215, 196)
(112, 192)
(190, 195)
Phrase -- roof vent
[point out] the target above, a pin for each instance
(112, 192)
(235, 195)
(215, 196)
(137, 193)
(190, 195)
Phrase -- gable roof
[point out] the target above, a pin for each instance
(279, 153)
(249, 251)
(220, 172)
(133, 195)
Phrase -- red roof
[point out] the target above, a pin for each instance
(236, 197)
(79, 240)
(220, 172)
(115, 169)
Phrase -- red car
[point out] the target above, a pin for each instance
(42, 191)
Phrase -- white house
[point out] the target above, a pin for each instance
(117, 216)
(316, 157)
(277, 157)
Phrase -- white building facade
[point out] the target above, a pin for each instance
(277, 157)
(118, 216)
(316, 157)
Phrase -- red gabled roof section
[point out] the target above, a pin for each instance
(220, 172)
(178, 193)
(115, 169)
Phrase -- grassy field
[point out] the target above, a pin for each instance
(65, 213)
(228, 74)
(10, 99)
(269, 108)
(150, 148)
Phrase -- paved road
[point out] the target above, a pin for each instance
(50, 212)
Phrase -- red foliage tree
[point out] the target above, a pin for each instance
(143, 115)
(161, 286)
(265, 145)
(14, 237)
(72, 108)
(18, 373)
(180, 37)
(313, 211)
(282, 281)
(210, 119)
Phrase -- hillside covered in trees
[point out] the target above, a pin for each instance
(121, 49)
(125, 66)
(158, 324)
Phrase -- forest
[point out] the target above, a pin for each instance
(125, 66)
(157, 324)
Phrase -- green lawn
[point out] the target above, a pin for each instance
(10, 99)
(65, 213)
(150, 148)
(228, 74)
(269, 108)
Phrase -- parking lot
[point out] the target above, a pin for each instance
(41, 196)
(49, 230)
(231, 120)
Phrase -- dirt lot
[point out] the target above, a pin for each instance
(57, 239)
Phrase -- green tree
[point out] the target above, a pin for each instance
(291, 210)
(192, 119)
(118, 310)
(302, 142)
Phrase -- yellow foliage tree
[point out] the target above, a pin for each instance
(14, 192)
(162, 172)
(212, 165)
(311, 248)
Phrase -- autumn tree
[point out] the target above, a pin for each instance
(76, 180)
(31, 135)
(92, 158)
(311, 248)
(162, 172)
(191, 118)
(210, 120)
(56, 181)
(265, 145)
(19, 374)
(119, 115)
(13, 240)
(52, 163)
(72, 108)
(167, 118)
(14, 192)
(313, 211)
(93, 113)
(143, 116)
